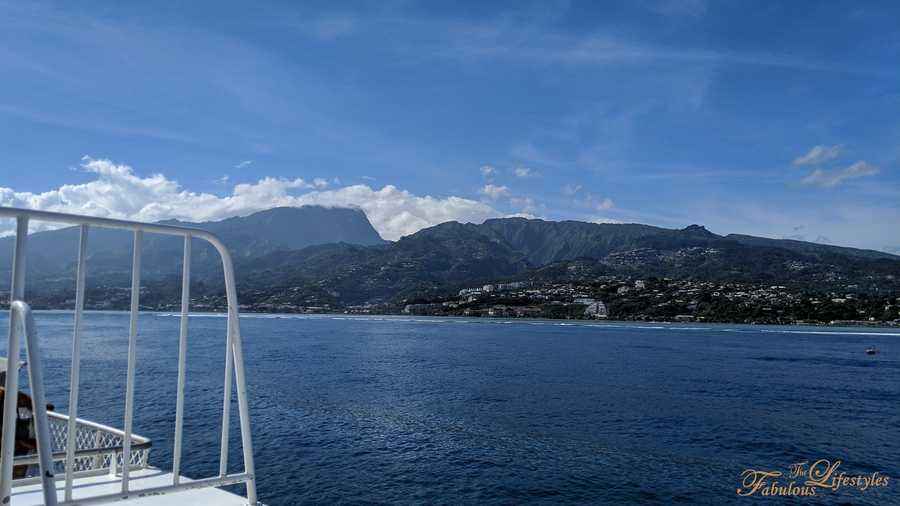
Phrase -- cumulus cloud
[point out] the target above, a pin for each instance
(602, 219)
(245, 163)
(820, 154)
(523, 172)
(493, 191)
(830, 178)
(117, 192)
(487, 170)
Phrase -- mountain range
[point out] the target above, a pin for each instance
(336, 255)
(52, 255)
(441, 259)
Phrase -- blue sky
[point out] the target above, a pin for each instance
(775, 119)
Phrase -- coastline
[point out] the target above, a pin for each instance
(485, 319)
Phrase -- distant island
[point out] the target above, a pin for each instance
(331, 260)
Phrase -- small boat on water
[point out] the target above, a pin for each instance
(871, 350)
(59, 458)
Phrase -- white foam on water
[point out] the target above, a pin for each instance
(833, 332)
(592, 325)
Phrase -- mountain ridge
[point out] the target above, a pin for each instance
(335, 254)
(451, 255)
(53, 253)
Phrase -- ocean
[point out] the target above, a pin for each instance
(393, 410)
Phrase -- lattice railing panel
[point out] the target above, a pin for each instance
(89, 437)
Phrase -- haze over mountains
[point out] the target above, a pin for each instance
(336, 254)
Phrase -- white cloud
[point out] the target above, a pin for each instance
(820, 154)
(494, 192)
(605, 204)
(830, 178)
(487, 170)
(245, 163)
(522, 172)
(320, 183)
(223, 180)
(118, 193)
(527, 216)
(395, 212)
(603, 219)
(571, 189)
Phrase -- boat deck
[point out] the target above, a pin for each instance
(28, 495)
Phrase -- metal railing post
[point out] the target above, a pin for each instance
(182, 357)
(38, 402)
(74, 380)
(98, 459)
(244, 413)
(17, 292)
(234, 336)
(132, 358)
(114, 463)
(226, 402)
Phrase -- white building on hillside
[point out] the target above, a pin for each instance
(596, 309)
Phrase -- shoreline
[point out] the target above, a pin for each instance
(557, 321)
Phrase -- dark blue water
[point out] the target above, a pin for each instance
(438, 411)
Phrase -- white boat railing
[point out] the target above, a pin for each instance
(20, 319)
(234, 364)
(98, 450)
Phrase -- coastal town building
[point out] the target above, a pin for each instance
(596, 309)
